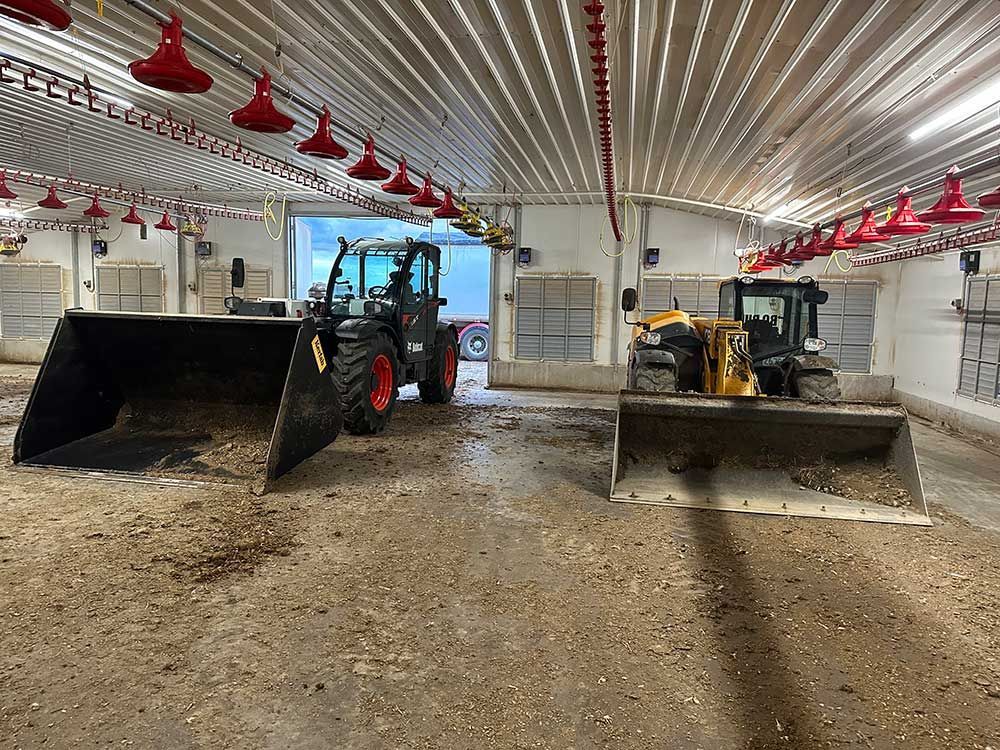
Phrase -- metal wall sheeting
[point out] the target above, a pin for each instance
(748, 103)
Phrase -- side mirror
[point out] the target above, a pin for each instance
(815, 296)
(442, 301)
(629, 299)
(238, 273)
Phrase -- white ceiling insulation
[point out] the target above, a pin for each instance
(790, 107)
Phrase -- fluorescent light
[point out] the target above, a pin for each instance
(11, 213)
(958, 112)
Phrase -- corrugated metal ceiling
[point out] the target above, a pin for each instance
(790, 106)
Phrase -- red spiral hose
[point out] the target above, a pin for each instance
(599, 43)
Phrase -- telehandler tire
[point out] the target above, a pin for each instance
(366, 373)
(439, 387)
(816, 386)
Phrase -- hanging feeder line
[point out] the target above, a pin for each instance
(51, 226)
(189, 135)
(120, 196)
(961, 239)
(928, 186)
(598, 43)
(236, 60)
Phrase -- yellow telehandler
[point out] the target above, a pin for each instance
(742, 413)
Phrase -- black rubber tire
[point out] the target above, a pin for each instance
(352, 375)
(654, 379)
(475, 342)
(438, 388)
(816, 385)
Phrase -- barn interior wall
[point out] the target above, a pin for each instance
(230, 238)
(927, 340)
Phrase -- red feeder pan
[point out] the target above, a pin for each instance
(596, 8)
(5, 192)
(425, 198)
(51, 200)
(815, 246)
(96, 210)
(800, 251)
(990, 200)
(165, 224)
(837, 240)
(448, 209)
(168, 68)
(321, 143)
(904, 221)
(132, 217)
(45, 13)
(367, 167)
(400, 183)
(866, 232)
(951, 208)
(260, 114)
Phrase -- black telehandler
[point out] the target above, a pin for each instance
(242, 398)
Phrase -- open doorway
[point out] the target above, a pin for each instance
(464, 277)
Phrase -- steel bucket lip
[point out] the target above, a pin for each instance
(762, 409)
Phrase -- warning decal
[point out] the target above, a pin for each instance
(318, 354)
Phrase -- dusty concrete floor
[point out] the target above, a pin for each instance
(461, 582)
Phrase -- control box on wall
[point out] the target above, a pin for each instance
(203, 249)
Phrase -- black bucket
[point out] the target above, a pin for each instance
(225, 399)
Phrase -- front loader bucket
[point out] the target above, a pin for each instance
(228, 399)
(842, 460)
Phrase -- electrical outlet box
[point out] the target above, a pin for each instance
(203, 249)
(652, 256)
(143, 232)
(968, 262)
(99, 248)
(524, 255)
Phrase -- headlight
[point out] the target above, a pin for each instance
(650, 337)
(805, 279)
(814, 345)
(746, 279)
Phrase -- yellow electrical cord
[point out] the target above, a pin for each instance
(269, 217)
(836, 257)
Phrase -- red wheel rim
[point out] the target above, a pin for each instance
(381, 382)
(449, 367)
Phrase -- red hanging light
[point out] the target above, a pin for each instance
(837, 240)
(321, 143)
(52, 200)
(168, 68)
(165, 224)
(260, 114)
(367, 167)
(425, 198)
(132, 217)
(448, 209)
(867, 232)
(96, 210)
(5, 192)
(951, 207)
(990, 200)
(904, 221)
(45, 13)
(400, 183)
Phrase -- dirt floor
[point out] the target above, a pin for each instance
(463, 582)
